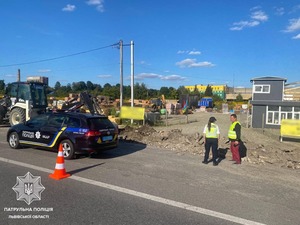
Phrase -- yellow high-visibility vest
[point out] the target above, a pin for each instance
(213, 131)
(231, 132)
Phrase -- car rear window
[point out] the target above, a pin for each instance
(99, 123)
(73, 122)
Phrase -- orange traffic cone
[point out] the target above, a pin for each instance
(60, 171)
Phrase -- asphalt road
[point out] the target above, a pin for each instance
(136, 184)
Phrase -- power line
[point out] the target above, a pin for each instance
(60, 57)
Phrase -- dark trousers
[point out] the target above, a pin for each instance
(211, 143)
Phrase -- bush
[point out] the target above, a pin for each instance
(112, 112)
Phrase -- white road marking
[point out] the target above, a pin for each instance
(144, 195)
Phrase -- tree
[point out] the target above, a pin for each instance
(217, 98)
(164, 91)
(173, 93)
(97, 89)
(140, 91)
(89, 86)
(79, 86)
(208, 91)
(2, 87)
(126, 92)
(195, 91)
(152, 93)
(57, 85)
(239, 98)
(182, 90)
(111, 91)
(107, 85)
(69, 87)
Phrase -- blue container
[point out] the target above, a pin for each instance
(207, 102)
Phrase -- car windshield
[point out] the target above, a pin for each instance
(38, 121)
(99, 123)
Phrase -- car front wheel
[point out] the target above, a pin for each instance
(14, 141)
(17, 115)
(68, 149)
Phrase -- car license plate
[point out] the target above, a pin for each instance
(107, 138)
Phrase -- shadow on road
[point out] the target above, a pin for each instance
(84, 168)
(124, 148)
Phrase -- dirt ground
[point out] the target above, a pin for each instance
(183, 134)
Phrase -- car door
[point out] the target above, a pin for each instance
(29, 133)
(52, 130)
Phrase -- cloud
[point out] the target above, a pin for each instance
(260, 16)
(142, 76)
(104, 76)
(294, 25)
(189, 52)
(10, 75)
(69, 8)
(147, 75)
(244, 24)
(44, 71)
(173, 78)
(194, 53)
(295, 9)
(193, 63)
(296, 37)
(182, 52)
(256, 18)
(98, 3)
(144, 63)
(279, 11)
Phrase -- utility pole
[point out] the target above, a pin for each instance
(132, 73)
(121, 73)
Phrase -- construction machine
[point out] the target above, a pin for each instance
(23, 100)
(157, 104)
(83, 101)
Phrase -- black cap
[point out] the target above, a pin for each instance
(212, 119)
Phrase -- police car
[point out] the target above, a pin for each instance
(79, 133)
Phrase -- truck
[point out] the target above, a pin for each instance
(23, 100)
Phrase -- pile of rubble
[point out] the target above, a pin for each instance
(268, 153)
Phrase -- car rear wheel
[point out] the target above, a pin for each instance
(68, 149)
(13, 140)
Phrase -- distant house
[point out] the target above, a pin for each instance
(292, 91)
(233, 92)
(219, 90)
(269, 103)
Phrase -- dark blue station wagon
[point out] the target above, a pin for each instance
(79, 133)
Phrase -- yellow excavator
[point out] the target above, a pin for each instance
(157, 104)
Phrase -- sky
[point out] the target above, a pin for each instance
(175, 43)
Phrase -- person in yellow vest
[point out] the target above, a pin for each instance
(234, 135)
(211, 134)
